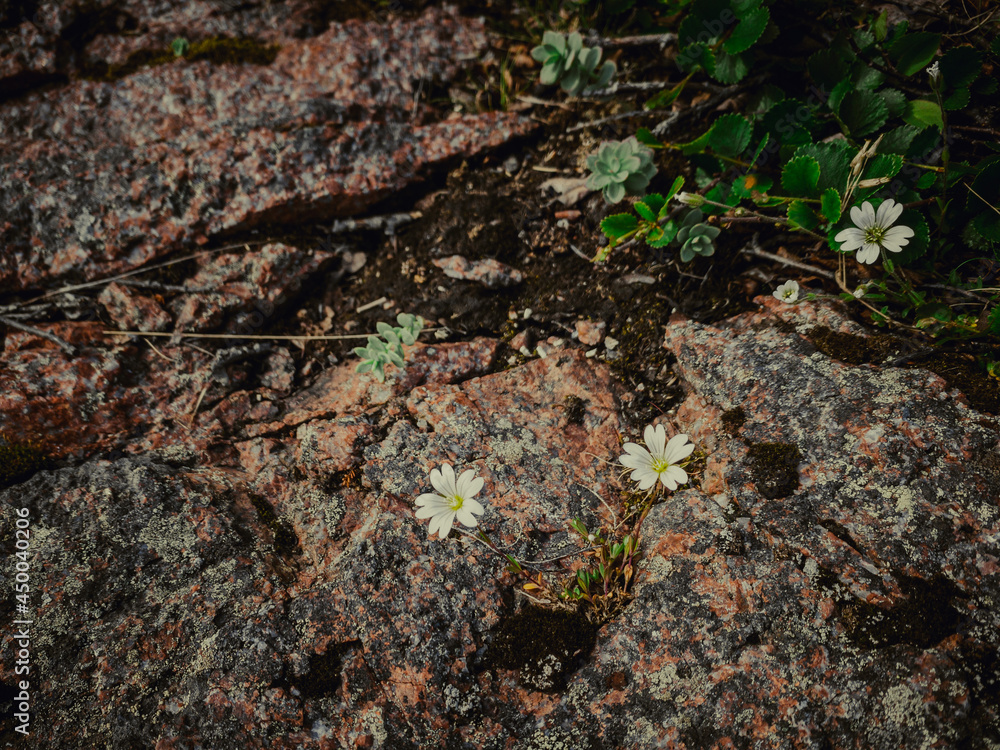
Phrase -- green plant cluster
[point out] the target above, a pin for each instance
(606, 584)
(574, 67)
(863, 120)
(380, 352)
(620, 167)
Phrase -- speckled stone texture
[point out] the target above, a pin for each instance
(100, 177)
(268, 585)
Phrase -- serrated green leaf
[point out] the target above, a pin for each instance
(864, 39)
(666, 236)
(918, 244)
(801, 176)
(923, 113)
(926, 180)
(957, 99)
(748, 31)
(894, 100)
(883, 165)
(834, 161)
(730, 134)
(830, 205)
(617, 226)
(914, 52)
(960, 66)
(863, 112)
(897, 140)
(866, 77)
(696, 56)
(656, 203)
(801, 215)
(730, 68)
(644, 211)
(790, 121)
(746, 185)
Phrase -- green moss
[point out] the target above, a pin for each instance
(924, 618)
(855, 350)
(733, 419)
(286, 541)
(775, 468)
(963, 372)
(20, 460)
(216, 49)
(545, 645)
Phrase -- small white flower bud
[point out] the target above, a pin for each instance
(690, 199)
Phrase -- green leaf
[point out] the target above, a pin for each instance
(790, 121)
(730, 135)
(914, 52)
(987, 185)
(918, 244)
(926, 180)
(880, 26)
(730, 68)
(898, 140)
(801, 215)
(830, 205)
(895, 101)
(863, 112)
(657, 203)
(678, 184)
(993, 321)
(958, 99)
(960, 66)
(696, 56)
(645, 136)
(883, 165)
(828, 68)
(697, 145)
(748, 31)
(644, 211)
(617, 226)
(664, 98)
(865, 77)
(834, 160)
(800, 176)
(664, 236)
(922, 113)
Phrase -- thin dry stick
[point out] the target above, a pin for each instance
(629, 41)
(789, 262)
(153, 347)
(98, 282)
(194, 413)
(38, 332)
(258, 337)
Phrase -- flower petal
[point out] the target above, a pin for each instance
(469, 484)
(852, 239)
(473, 506)
(656, 439)
(675, 474)
(899, 234)
(888, 212)
(857, 216)
(868, 253)
(636, 462)
(867, 215)
(678, 448)
(465, 517)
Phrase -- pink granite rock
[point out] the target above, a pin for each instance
(836, 595)
(98, 178)
(131, 311)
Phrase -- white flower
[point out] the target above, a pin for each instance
(454, 500)
(787, 292)
(934, 72)
(860, 291)
(873, 231)
(658, 462)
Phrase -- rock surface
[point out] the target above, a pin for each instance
(267, 584)
(98, 177)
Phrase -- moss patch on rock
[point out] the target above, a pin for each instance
(20, 460)
(775, 469)
(544, 645)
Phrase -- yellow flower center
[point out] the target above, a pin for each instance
(456, 502)
(660, 465)
(875, 235)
